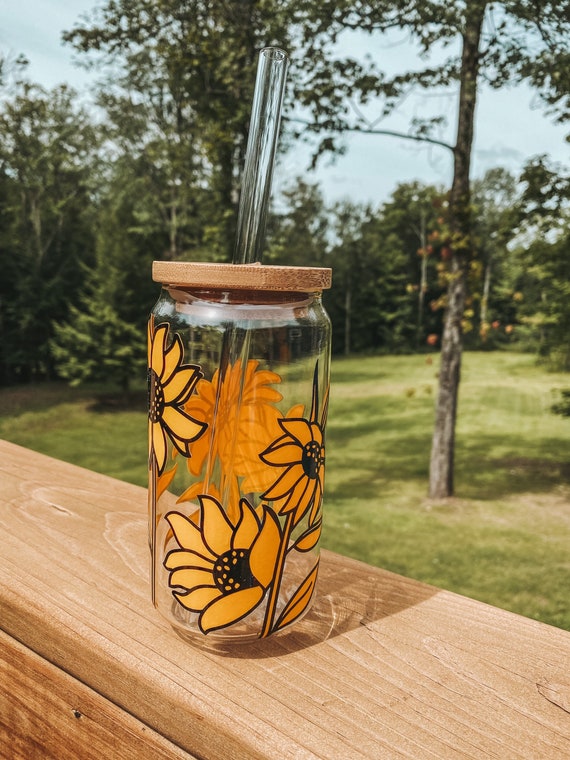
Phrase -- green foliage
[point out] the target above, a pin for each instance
(544, 259)
(520, 42)
(373, 303)
(96, 345)
(86, 204)
(562, 406)
(179, 100)
(298, 235)
(497, 216)
(545, 281)
(47, 155)
(104, 338)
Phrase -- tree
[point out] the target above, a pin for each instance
(378, 265)
(411, 216)
(497, 220)
(499, 43)
(47, 155)
(298, 233)
(543, 280)
(104, 338)
(373, 255)
(344, 300)
(180, 91)
(96, 344)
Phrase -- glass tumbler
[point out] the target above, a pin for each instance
(239, 368)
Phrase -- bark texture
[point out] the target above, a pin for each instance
(443, 442)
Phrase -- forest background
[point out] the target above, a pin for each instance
(150, 168)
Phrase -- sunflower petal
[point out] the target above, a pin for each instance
(285, 483)
(200, 449)
(188, 535)
(309, 539)
(159, 445)
(226, 610)
(283, 454)
(298, 429)
(189, 577)
(172, 359)
(317, 433)
(299, 602)
(180, 425)
(216, 528)
(299, 498)
(263, 555)
(181, 384)
(149, 339)
(247, 528)
(165, 480)
(178, 558)
(198, 598)
(157, 349)
(316, 503)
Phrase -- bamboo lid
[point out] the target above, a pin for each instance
(241, 276)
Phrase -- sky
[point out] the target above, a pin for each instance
(511, 126)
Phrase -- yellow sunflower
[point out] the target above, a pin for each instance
(170, 385)
(301, 452)
(222, 568)
(243, 403)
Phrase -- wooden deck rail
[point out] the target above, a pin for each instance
(383, 667)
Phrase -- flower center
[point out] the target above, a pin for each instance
(232, 571)
(155, 397)
(312, 459)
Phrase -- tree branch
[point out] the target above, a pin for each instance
(386, 132)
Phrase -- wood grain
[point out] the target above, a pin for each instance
(242, 276)
(383, 667)
(45, 713)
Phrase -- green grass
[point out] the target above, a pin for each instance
(504, 538)
(89, 427)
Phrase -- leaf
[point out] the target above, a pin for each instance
(164, 481)
(309, 539)
(299, 602)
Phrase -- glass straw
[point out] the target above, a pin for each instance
(260, 155)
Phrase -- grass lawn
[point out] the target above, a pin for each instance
(504, 538)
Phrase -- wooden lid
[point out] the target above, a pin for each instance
(241, 276)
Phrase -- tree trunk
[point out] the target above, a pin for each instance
(173, 224)
(347, 317)
(423, 278)
(443, 443)
(485, 296)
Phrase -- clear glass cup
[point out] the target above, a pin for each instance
(239, 371)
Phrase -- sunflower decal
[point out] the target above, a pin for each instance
(170, 385)
(222, 569)
(300, 452)
(243, 402)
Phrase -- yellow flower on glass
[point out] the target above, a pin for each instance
(222, 568)
(245, 423)
(300, 451)
(171, 384)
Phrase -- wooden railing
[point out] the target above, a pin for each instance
(383, 667)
